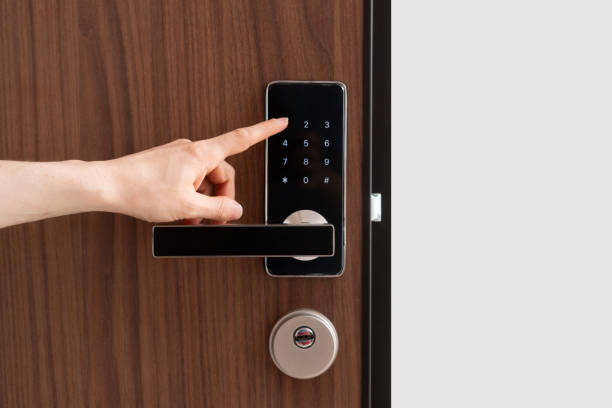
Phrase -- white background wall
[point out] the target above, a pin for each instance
(502, 183)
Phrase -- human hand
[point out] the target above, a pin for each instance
(176, 181)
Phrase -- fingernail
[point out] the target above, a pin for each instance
(236, 210)
(284, 120)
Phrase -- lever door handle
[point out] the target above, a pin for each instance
(282, 240)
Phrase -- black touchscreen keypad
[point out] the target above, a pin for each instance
(305, 165)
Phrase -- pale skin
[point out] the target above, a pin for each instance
(171, 182)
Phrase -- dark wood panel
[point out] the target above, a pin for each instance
(87, 316)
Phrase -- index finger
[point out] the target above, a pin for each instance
(241, 139)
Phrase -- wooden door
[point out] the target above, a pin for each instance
(87, 316)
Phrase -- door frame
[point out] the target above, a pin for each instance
(376, 320)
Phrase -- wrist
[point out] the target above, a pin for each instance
(101, 187)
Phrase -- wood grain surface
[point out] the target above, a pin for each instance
(87, 316)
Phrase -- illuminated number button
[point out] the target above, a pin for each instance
(306, 161)
(285, 143)
(326, 143)
(326, 161)
(306, 142)
(305, 180)
(326, 124)
(284, 161)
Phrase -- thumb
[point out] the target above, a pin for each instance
(218, 208)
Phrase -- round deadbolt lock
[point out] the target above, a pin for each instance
(303, 344)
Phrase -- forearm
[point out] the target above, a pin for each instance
(31, 191)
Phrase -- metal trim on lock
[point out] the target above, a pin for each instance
(303, 344)
(301, 217)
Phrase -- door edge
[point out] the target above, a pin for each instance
(376, 338)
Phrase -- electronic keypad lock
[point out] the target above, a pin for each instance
(306, 167)
(305, 181)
